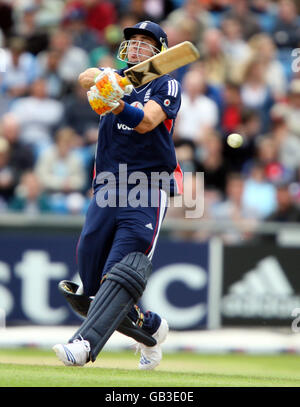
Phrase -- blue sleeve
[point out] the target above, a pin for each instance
(168, 96)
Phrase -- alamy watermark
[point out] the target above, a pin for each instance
(140, 189)
(296, 61)
(295, 322)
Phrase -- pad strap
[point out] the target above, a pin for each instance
(80, 303)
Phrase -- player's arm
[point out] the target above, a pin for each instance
(87, 77)
(153, 115)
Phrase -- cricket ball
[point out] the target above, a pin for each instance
(235, 140)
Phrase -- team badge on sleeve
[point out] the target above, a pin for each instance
(137, 104)
(167, 102)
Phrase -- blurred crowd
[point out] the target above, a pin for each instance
(246, 81)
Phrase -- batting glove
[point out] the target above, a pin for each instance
(99, 104)
(111, 85)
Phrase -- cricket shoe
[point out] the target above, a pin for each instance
(75, 353)
(152, 355)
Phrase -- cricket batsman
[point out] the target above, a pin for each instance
(118, 240)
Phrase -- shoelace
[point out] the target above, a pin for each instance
(85, 343)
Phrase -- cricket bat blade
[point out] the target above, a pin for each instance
(161, 64)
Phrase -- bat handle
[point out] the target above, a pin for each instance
(124, 82)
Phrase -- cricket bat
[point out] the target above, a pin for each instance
(161, 64)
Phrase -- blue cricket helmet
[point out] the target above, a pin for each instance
(151, 29)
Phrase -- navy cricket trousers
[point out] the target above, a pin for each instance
(110, 233)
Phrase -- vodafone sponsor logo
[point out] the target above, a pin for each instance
(122, 126)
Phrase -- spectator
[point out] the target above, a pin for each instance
(240, 11)
(263, 46)
(265, 13)
(294, 187)
(216, 63)
(106, 54)
(184, 30)
(138, 10)
(154, 10)
(191, 200)
(6, 17)
(83, 37)
(234, 45)
(212, 162)
(73, 60)
(36, 38)
(1, 39)
(233, 209)
(259, 193)
(231, 108)
(49, 71)
(192, 14)
(87, 155)
(217, 10)
(268, 157)
(21, 69)
(286, 210)
(76, 203)
(212, 91)
(286, 31)
(249, 128)
(126, 19)
(38, 116)
(78, 114)
(293, 107)
(191, 124)
(21, 156)
(107, 60)
(98, 13)
(29, 197)
(5, 102)
(84, 122)
(49, 13)
(255, 92)
(158, 10)
(186, 155)
(7, 174)
(287, 143)
(59, 168)
(174, 33)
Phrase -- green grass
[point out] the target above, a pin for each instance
(40, 368)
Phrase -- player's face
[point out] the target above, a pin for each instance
(140, 48)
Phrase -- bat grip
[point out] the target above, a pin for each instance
(124, 82)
